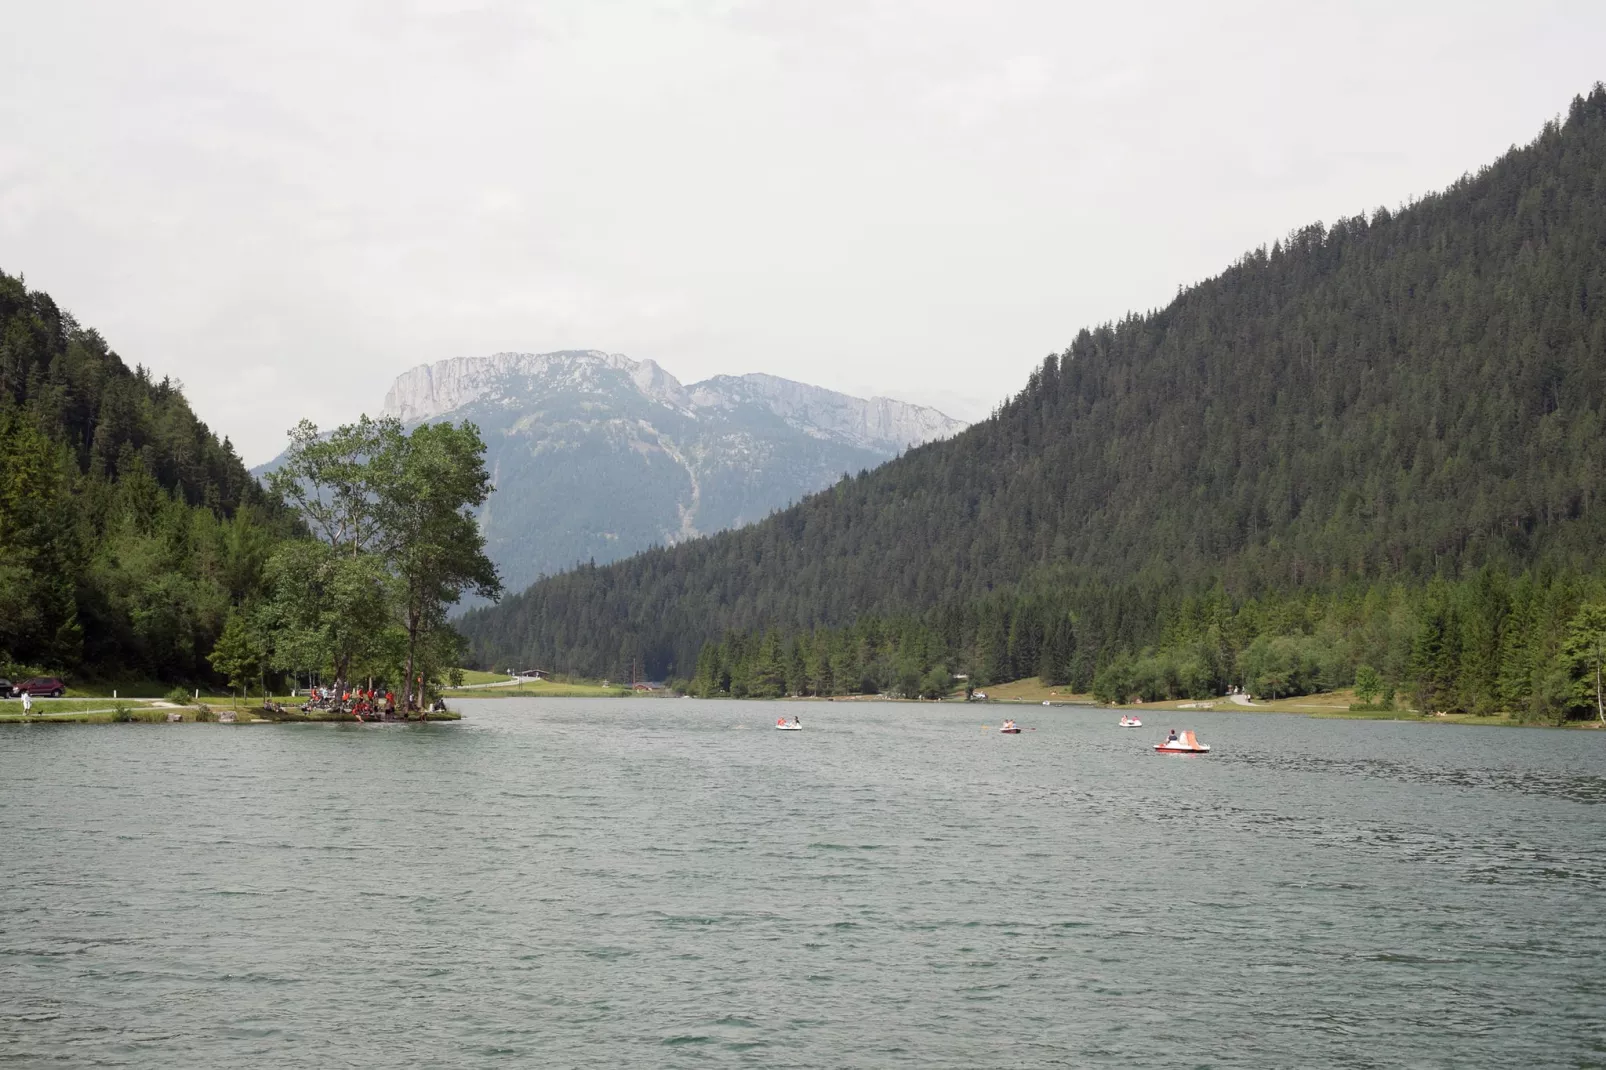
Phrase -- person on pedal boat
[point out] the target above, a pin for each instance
(1171, 735)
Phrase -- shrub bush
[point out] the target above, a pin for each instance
(1384, 704)
(180, 696)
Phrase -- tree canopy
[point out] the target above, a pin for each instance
(395, 545)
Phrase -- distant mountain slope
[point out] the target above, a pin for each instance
(596, 456)
(1404, 395)
(127, 529)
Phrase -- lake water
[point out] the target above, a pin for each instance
(674, 883)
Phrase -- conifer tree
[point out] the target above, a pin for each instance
(1584, 656)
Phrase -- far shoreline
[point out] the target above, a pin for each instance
(156, 712)
(1287, 707)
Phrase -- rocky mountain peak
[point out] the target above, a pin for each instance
(876, 423)
(432, 390)
(515, 379)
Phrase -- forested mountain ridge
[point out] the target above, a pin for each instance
(1412, 394)
(127, 529)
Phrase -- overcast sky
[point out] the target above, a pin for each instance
(285, 205)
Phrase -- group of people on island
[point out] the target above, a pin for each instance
(360, 701)
(355, 700)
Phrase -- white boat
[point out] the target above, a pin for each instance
(782, 726)
(1131, 722)
(1187, 743)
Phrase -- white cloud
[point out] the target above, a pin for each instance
(972, 100)
(285, 205)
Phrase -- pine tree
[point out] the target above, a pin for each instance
(768, 679)
(1584, 659)
(235, 656)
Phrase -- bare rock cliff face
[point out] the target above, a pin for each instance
(876, 423)
(432, 390)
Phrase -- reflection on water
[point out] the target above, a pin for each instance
(658, 882)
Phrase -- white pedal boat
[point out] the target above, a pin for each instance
(1183, 744)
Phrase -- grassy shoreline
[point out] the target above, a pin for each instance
(79, 708)
(156, 711)
(550, 689)
(1333, 705)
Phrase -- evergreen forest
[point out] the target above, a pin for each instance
(135, 547)
(127, 529)
(1368, 453)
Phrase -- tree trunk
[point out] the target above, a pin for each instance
(412, 645)
(1600, 707)
(342, 666)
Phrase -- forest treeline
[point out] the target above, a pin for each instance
(1528, 644)
(127, 529)
(135, 546)
(1389, 403)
